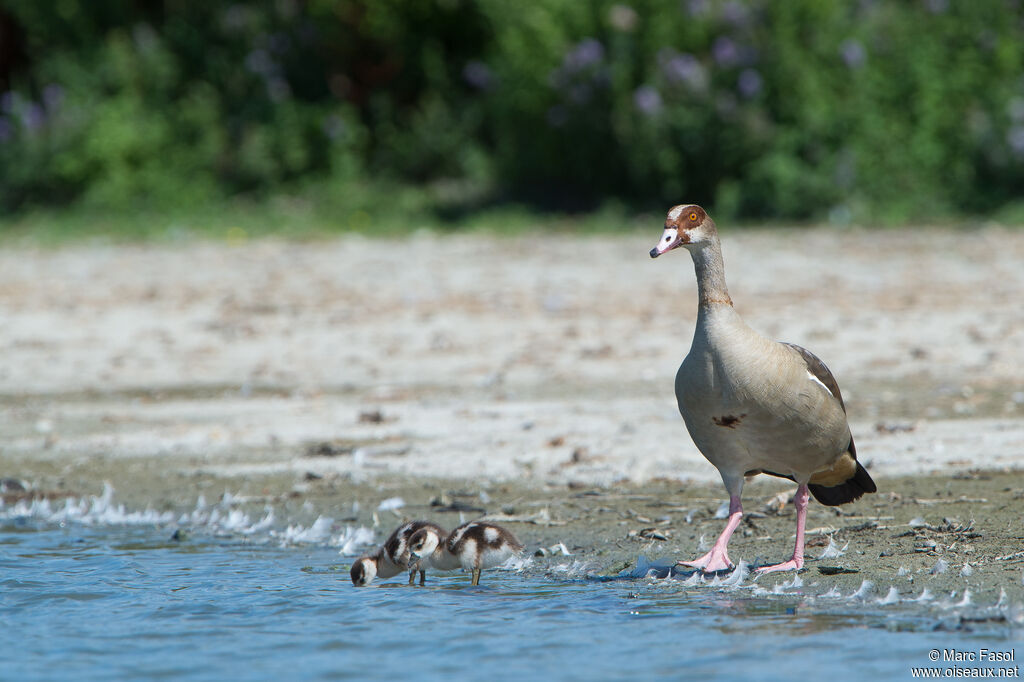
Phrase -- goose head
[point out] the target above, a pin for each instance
(423, 543)
(686, 225)
(364, 570)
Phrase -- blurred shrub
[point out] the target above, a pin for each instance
(862, 111)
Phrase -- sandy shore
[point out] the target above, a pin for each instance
(536, 369)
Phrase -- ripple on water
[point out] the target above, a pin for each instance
(114, 601)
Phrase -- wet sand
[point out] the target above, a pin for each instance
(528, 378)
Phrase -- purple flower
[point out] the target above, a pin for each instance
(647, 100)
(32, 116)
(6, 129)
(53, 96)
(735, 13)
(586, 53)
(477, 75)
(8, 100)
(259, 62)
(725, 52)
(696, 7)
(749, 83)
(853, 53)
(1015, 138)
(682, 68)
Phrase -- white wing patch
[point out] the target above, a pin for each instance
(491, 534)
(819, 382)
(469, 557)
(460, 532)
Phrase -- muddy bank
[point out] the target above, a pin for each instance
(955, 539)
(542, 356)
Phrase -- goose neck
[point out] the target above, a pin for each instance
(710, 269)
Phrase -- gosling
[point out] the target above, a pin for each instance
(472, 546)
(393, 556)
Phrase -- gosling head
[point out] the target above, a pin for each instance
(685, 225)
(423, 543)
(364, 570)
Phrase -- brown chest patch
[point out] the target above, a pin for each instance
(730, 421)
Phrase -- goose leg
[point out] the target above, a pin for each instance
(476, 576)
(718, 558)
(797, 562)
(423, 577)
(412, 577)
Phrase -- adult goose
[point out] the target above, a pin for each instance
(753, 405)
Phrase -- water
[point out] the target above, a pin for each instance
(89, 600)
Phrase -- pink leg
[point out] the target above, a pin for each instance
(797, 562)
(718, 558)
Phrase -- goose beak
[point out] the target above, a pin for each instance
(669, 240)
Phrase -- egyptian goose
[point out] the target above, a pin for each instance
(753, 405)
(472, 546)
(392, 557)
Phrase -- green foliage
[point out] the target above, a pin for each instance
(879, 110)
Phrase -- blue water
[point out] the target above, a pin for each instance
(127, 602)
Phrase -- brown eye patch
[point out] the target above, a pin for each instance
(685, 215)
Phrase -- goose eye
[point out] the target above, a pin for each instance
(693, 216)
